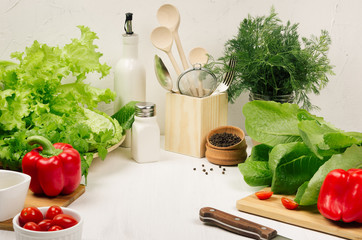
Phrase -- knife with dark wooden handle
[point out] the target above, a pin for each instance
(237, 225)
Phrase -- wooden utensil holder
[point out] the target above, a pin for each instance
(189, 120)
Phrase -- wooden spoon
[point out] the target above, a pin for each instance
(198, 55)
(161, 38)
(169, 16)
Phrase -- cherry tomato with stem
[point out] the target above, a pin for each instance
(30, 214)
(32, 226)
(55, 228)
(53, 211)
(64, 221)
(262, 195)
(289, 203)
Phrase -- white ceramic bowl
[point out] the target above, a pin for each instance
(13, 190)
(72, 233)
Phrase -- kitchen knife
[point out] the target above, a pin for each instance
(238, 225)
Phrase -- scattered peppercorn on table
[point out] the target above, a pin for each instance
(161, 200)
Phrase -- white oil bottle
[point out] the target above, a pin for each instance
(130, 74)
(145, 134)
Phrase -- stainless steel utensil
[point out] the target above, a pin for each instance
(225, 84)
(162, 74)
(199, 56)
(238, 225)
(189, 80)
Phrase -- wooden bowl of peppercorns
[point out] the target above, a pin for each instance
(226, 145)
(226, 138)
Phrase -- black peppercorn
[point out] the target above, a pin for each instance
(224, 139)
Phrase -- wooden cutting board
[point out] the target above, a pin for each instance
(307, 217)
(33, 200)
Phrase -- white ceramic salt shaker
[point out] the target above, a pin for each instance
(129, 73)
(145, 134)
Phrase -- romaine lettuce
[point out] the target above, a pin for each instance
(308, 193)
(272, 123)
(304, 149)
(292, 164)
(255, 169)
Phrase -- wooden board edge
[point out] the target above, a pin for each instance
(76, 195)
(7, 225)
(327, 226)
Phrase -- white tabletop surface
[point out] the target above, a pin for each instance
(161, 200)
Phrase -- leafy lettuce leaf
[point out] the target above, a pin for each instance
(255, 169)
(33, 100)
(339, 140)
(272, 123)
(304, 149)
(308, 193)
(292, 164)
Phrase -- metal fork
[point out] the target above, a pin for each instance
(226, 82)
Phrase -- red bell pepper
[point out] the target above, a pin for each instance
(53, 169)
(340, 195)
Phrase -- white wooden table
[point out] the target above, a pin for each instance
(161, 200)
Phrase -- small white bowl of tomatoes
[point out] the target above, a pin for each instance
(48, 223)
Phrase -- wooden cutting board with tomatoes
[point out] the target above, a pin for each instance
(33, 200)
(307, 217)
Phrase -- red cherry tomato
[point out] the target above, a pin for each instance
(262, 195)
(32, 226)
(64, 220)
(289, 203)
(53, 211)
(30, 214)
(55, 228)
(45, 224)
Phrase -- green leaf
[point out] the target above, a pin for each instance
(125, 115)
(256, 173)
(102, 152)
(260, 152)
(338, 140)
(84, 94)
(351, 158)
(255, 169)
(14, 106)
(286, 152)
(312, 133)
(272, 123)
(292, 164)
(86, 161)
(82, 55)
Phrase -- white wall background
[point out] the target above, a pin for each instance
(206, 23)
